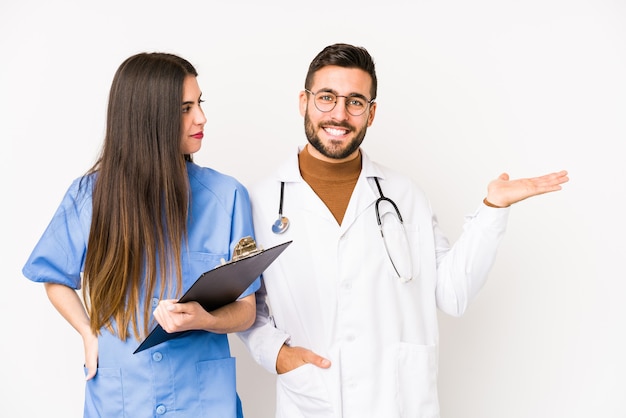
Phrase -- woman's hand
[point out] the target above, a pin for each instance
(234, 317)
(90, 343)
(71, 307)
(176, 317)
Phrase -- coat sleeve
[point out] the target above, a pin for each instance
(263, 340)
(462, 270)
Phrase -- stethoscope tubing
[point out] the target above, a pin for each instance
(385, 199)
(282, 223)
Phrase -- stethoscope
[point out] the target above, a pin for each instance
(383, 198)
(282, 224)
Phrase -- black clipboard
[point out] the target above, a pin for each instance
(218, 287)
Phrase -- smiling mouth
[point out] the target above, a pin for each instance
(334, 131)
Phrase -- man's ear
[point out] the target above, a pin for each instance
(371, 114)
(304, 99)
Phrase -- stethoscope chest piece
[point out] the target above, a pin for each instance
(281, 225)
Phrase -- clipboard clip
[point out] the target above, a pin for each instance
(246, 247)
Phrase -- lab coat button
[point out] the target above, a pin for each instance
(350, 338)
(157, 356)
(160, 409)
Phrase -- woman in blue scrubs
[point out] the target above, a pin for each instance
(134, 233)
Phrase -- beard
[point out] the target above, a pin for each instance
(334, 149)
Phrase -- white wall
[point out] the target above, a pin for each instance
(467, 90)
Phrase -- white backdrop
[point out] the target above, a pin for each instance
(467, 90)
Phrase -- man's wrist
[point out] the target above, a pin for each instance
(491, 205)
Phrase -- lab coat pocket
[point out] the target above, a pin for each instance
(302, 393)
(104, 396)
(417, 381)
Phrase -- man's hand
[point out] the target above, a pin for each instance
(290, 358)
(503, 192)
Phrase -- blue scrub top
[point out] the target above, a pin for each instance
(190, 376)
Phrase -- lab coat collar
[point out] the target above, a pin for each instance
(365, 192)
(289, 171)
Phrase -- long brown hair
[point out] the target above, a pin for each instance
(140, 195)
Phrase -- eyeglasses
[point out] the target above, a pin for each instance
(395, 238)
(325, 101)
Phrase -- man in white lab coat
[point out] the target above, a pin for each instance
(350, 324)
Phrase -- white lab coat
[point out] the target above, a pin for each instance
(334, 291)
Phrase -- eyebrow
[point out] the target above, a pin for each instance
(188, 102)
(329, 90)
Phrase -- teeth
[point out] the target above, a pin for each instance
(335, 131)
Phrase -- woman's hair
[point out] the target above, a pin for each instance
(347, 56)
(140, 195)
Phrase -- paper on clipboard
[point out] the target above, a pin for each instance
(220, 286)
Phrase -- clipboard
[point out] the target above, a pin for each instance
(220, 286)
